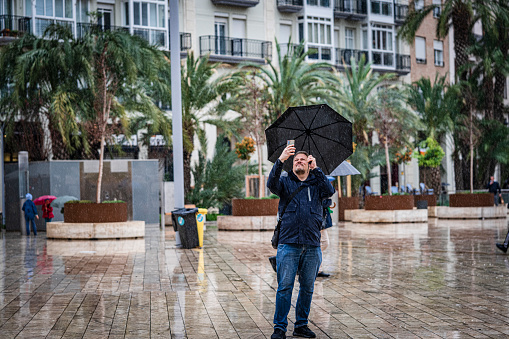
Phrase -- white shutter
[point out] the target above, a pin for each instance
(438, 45)
(420, 49)
(238, 28)
(285, 31)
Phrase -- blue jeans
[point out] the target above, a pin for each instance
(28, 220)
(291, 258)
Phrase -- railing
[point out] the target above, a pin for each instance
(383, 59)
(381, 8)
(153, 36)
(14, 25)
(83, 27)
(351, 6)
(403, 63)
(41, 24)
(297, 3)
(235, 47)
(289, 48)
(400, 12)
(320, 53)
(239, 3)
(347, 54)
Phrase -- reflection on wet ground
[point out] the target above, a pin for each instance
(444, 279)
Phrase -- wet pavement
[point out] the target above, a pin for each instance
(439, 280)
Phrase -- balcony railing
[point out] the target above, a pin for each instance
(42, 23)
(153, 36)
(400, 13)
(13, 25)
(323, 53)
(289, 48)
(385, 59)
(403, 63)
(84, 27)
(237, 3)
(347, 54)
(350, 9)
(234, 50)
(290, 6)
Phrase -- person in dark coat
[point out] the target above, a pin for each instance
(494, 187)
(47, 211)
(30, 213)
(299, 238)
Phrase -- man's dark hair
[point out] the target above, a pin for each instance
(302, 152)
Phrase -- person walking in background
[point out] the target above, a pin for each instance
(30, 213)
(299, 238)
(493, 187)
(47, 211)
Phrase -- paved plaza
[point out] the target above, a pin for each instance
(444, 279)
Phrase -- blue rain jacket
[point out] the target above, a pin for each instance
(303, 217)
(29, 209)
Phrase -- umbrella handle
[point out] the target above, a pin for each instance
(334, 205)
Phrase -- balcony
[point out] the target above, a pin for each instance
(347, 54)
(42, 23)
(235, 50)
(289, 6)
(83, 28)
(350, 9)
(153, 36)
(236, 3)
(289, 49)
(13, 26)
(400, 13)
(403, 64)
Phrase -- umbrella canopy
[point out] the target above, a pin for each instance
(42, 199)
(316, 129)
(60, 201)
(344, 169)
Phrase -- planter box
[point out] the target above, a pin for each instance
(389, 202)
(431, 199)
(347, 203)
(471, 200)
(254, 207)
(95, 213)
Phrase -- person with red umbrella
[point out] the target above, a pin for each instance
(30, 213)
(47, 211)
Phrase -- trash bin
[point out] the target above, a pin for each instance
(184, 220)
(421, 204)
(200, 223)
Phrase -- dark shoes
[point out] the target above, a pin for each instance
(273, 263)
(502, 247)
(303, 332)
(278, 334)
(322, 274)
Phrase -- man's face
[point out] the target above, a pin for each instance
(300, 164)
(492, 178)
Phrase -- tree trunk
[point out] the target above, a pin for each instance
(471, 143)
(261, 182)
(187, 173)
(489, 97)
(498, 104)
(389, 178)
(461, 24)
(100, 175)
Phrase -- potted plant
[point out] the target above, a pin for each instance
(392, 202)
(475, 199)
(86, 211)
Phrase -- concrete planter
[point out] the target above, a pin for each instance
(347, 203)
(471, 200)
(431, 199)
(254, 207)
(95, 213)
(389, 202)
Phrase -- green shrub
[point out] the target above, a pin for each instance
(212, 217)
(112, 201)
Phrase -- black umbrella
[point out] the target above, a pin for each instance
(317, 129)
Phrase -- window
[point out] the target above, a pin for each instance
(5, 7)
(148, 14)
(437, 10)
(419, 4)
(319, 38)
(420, 50)
(349, 38)
(365, 41)
(382, 46)
(220, 33)
(438, 46)
(321, 3)
(381, 8)
(104, 19)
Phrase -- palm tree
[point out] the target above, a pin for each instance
(204, 100)
(434, 104)
(95, 80)
(355, 96)
(393, 122)
(293, 81)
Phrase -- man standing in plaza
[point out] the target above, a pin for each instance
(298, 249)
(494, 187)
